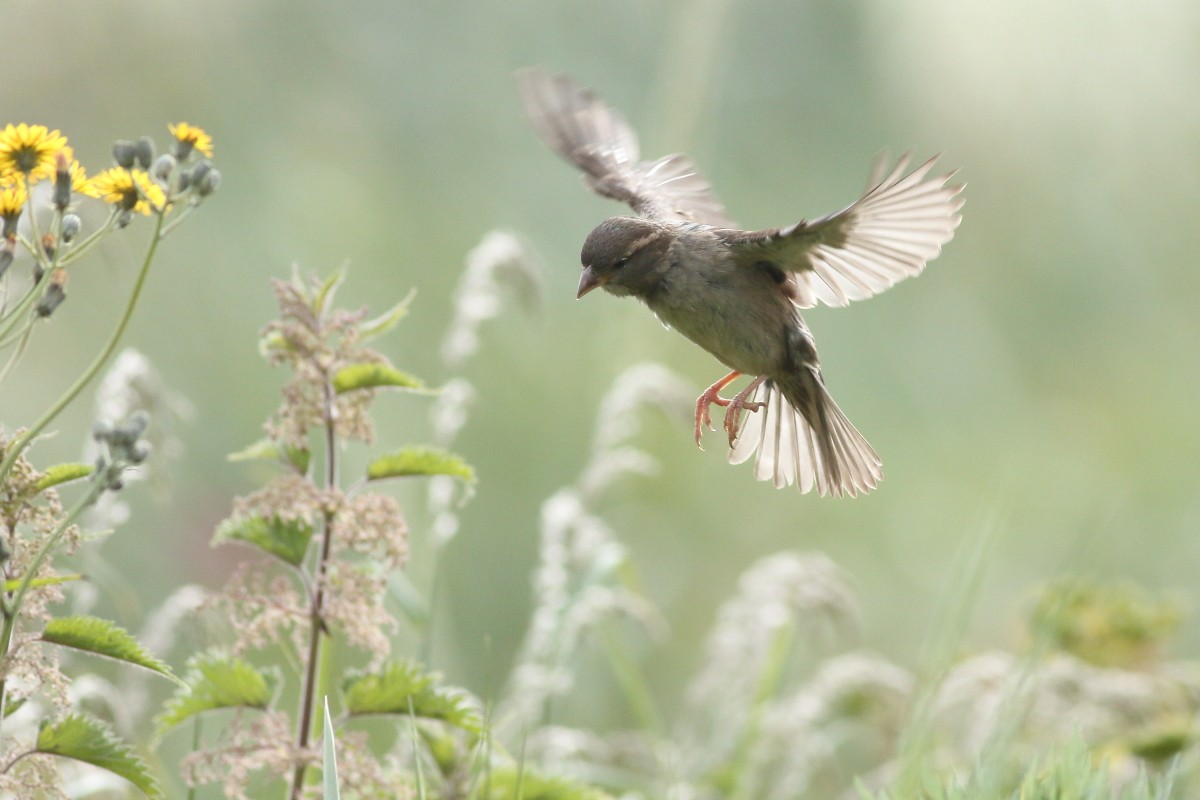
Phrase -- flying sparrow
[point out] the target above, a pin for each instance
(738, 293)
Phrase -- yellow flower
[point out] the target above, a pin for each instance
(128, 189)
(189, 136)
(29, 150)
(79, 179)
(12, 200)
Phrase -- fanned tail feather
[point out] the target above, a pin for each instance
(803, 438)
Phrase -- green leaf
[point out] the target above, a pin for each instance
(328, 289)
(287, 540)
(12, 704)
(216, 681)
(63, 473)
(88, 740)
(387, 320)
(373, 376)
(419, 460)
(329, 777)
(268, 450)
(403, 685)
(519, 783)
(103, 638)
(12, 584)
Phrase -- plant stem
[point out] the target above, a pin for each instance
(20, 443)
(11, 610)
(316, 621)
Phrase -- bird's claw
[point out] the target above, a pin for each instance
(733, 407)
(703, 418)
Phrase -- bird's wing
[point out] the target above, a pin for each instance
(889, 234)
(581, 128)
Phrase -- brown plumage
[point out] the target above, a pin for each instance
(738, 293)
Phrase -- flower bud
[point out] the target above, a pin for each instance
(62, 184)
(71, 224)
(49, 245)
(51, 300)
(127, 433)
(164, 165)
(102, 429)
(200, 171)
(125, 218)
(124, 153)
(209, 183)
(144, 150)
(139, 452)
(6, 259)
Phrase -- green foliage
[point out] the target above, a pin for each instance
(12, 584)
(386, 321)
(373, 376)
(517, 783)
(103, 638)
(403, 687)
(419, 460)
(88, 740)
(215, 681)
(266, 450)
(286, 539)
(329, 777)
(1111, 625)
(63, 473)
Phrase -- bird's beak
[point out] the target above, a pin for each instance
(587, 282)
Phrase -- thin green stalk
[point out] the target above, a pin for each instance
(17, 315)
(632, 682)
(81, 248)
(768, 685)
(316, 620)
(20, 443)
(10, 610)
(17, 353)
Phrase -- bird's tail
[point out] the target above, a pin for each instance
(802, 437)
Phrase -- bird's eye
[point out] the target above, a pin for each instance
(621, 262)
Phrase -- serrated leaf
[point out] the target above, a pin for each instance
(419, 460)
(103, 638)
(373, 376)
(92, 742)
(387, 320)
(63, 473)
(287, 540)
(403, 685)
(12, 584)
(268, 450)
(216, 681)
(329, 777)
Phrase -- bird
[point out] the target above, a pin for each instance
(738, 293)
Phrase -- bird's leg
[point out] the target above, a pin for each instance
(734, 408)
(711, 395)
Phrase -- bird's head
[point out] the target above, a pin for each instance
(624, 255)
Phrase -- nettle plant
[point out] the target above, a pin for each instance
(331, 546)
(46, 199)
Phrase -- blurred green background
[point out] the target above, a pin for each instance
(1041, 378)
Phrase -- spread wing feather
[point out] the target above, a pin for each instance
(585, 131)
(889, 234)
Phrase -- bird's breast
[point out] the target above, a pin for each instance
(736, 314)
